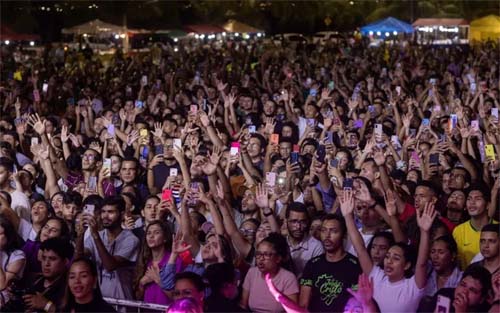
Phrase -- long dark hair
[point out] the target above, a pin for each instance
(146, 254)
(65, 232)
(69, 301)
(13, 241)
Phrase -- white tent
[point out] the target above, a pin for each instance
(96, 28)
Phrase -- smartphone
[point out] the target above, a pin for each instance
(271, 179)
(494, 112)
(92, 183)
(400, 165)
(329, 137)
(280, 117)
(371, 109)
(193, 108)
(358, 123)
(489, 151)
(474, 124)
(442, 304)
(348, 183)
(159, 150)
(434, 159)
(45, 87)
(144, 79)
(166, 195)
(426, 122)
(275, 139)
(398, 90)
(308, 81)
(174, 172)
(313, 92)
(251, 129)
(139, 104)
(145, 152)
(331, 85)
(111, 130)
(321, 153)
(378, 129)
(36, 95)
(453, 121)
(235, 148)
(89, 209)
(413, 132)
(311, 122)
(334, 162)
(432, 81)
(106, 163)
(143, 133)
(34, 141)
(414, 156)
(177, 143)
(296, 148)
(70, 101)
(281, 180)
(294, 157)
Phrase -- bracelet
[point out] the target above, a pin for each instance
(269, 213)
(48, 306)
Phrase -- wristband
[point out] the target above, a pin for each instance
(269, 213)
(48, 306)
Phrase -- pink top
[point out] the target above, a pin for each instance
(153, 292)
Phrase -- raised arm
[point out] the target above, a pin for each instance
(424, 222)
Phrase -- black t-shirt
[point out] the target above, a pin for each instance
(329, 282)
(96, 305)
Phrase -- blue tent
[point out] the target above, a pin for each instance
(391, 25)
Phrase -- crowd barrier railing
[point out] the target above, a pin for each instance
(122, 305)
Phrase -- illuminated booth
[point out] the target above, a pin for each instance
(485, 28)
(386, 29)
(441, 31)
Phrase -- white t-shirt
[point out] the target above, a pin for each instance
(118, 283)
(5, 260)
(402, 296)
(350, 248)
(26, 230)
(478, 257)
(21, 205)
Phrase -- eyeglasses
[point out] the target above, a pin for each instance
(265, 255)
(247, 231)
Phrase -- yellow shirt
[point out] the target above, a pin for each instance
(467, 239)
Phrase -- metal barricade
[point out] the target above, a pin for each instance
(135, 306)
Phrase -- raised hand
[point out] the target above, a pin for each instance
(346, 203)
(178, 245)
(427, 217)
(261, 197)
(158, 132)
(211, 166)
(37, 124)
(364, 293)
(64, 133)
(390, 203)
(378, 156)
(132, 137)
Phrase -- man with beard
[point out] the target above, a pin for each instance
(114, 249)
(324, 285)
(303, 246)
(455, 207)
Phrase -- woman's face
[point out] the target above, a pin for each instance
(39, 212)
(81, 282)
(378, 251)
(209, 248)
(30, 168)
(441, 256)
(57, 204)
(395, 264)
(266, 258)
(248, 230)
(412, 176)
(155, 236)
(262, 232)
(315, 229)
(343, 160)
(52, 229)
(286, 131)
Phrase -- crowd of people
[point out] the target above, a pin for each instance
(251, 177)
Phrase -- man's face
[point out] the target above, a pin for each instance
(110, 216)
(368, 171)
(331, 235)
(310, 111)
(456, 201)
(245, 103)
(457, 179)
(168, 149)
(297, 225)
(128, 171)
(285, 149)
(10, 139)
(39, 212)
(269, 108)
(476, 203)
(184, 288)
(69, 211)
(471, 289)
(4, 175)
(489, 244)
(254, 147)
(52, 264)
(423, 195)
(89, 160)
